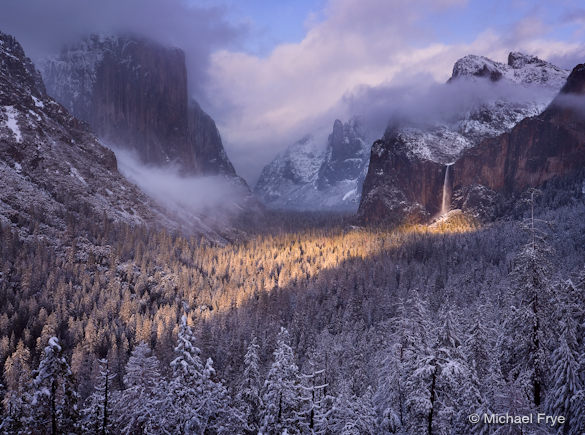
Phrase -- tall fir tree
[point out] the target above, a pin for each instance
(565, 395)
(54, 400)
(200, 404)
(98, 412)
(281, 400)
(529, 322)
(144, 405)
(17, 374)
(352, 415)
(317, 403)
(248, 397)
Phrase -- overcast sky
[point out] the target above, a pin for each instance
(270, 72)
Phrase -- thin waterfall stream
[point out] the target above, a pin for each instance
(446, 202)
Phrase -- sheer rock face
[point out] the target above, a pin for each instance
(52, 169)
(407, 166)
(536, 150)
(133, 93)
(307, 176)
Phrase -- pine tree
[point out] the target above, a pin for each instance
(316, 403)
(352, 415)
(437, 384)
(248, 397)
(54, 399)
(142, 407)
(98, 411)
(199, 403)
(564, 396)
(419, 365)
(528, 326)
(281, 400)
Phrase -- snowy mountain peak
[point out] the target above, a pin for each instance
(518, 60)
(311, 176)
(526, 87)
(478, 66)
(521, 69)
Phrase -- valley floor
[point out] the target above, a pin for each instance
(311, 325)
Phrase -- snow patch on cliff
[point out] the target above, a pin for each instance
(12, 122)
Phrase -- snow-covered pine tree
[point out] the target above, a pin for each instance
(437, 382)
(98, 412)
(484, 377)
(186, 386)
(221, 417)
(143, 406)
(281, 400)
(419, 365)
(566, 387)
(248, 397)
(352, 415)
(54, 399)
(529, 322)
(457, 389)
(389, 399)
(316, 403)
(199, 403)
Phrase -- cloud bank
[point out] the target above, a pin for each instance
(263, 104)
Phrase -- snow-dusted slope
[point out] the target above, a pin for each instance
(520, 69)
(51, 166)
(308, 176)
(54, 172)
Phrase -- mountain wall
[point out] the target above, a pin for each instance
(407, 171)
(536, 150)
(53, 170)
(133, 92)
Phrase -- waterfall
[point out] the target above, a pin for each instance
(446, 203)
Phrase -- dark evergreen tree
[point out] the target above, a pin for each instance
(54, 399)
(281, 400)
(248, 397)
(143, 406)
(98, 411)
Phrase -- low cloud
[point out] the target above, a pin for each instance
(572, 102)
(427, 102)
(358, 57)
(208, 198)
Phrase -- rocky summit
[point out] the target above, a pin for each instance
(535, 151)
(308, 176)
